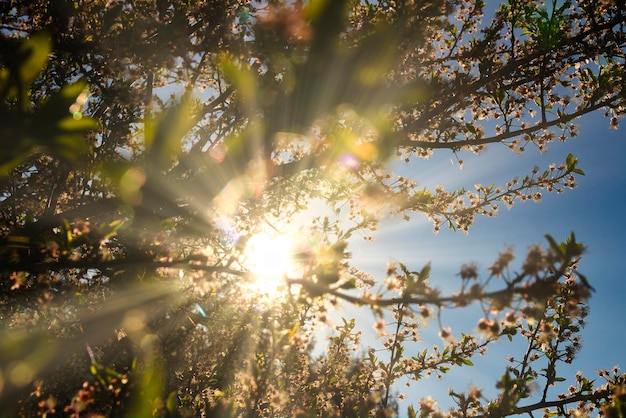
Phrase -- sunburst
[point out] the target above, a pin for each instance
(268, 256)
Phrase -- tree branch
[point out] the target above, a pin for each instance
(507, 69)
(506, 135)
(579, 397)
(120, 265)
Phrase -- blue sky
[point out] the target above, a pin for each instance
(593, 211)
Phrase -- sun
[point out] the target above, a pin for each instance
(268, 256)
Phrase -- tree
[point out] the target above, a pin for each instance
(150, 143)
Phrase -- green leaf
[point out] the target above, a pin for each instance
(240, 76)
(71, 124)
(422, 197)
(411, 412)
(570, 161)
(556, 248)
(67, 146)
(467, 361)
(425, 273)
(339, 247)
(348, 284)
(172, 403)
(35, 53)
(164, 140)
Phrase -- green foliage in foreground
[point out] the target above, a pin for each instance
(145, 145)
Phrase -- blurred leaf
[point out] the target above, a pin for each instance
(556, 248)
(411, 412)
(50, 128)
(33, 56)
(171, 404)
(71, 124)
(165, 141)
(425, 273)
(585, 281)
(348, 284)
(240, 76)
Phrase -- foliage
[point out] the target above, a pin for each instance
(145, 145)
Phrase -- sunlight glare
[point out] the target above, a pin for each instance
(268, 256)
